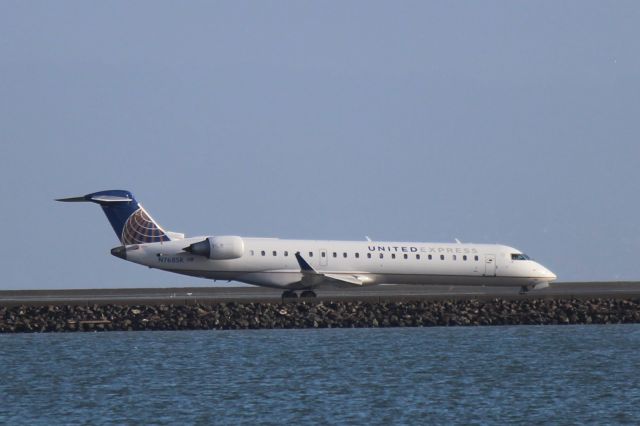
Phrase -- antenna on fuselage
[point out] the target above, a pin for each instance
(367, 237)
(457, 241)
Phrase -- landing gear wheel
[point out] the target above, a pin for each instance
(308, 294)
(524, 289)
(289, 294)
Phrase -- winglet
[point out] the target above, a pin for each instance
(304, 266)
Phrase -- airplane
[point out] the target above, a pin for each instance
(306, 265)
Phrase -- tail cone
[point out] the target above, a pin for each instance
(120, 251)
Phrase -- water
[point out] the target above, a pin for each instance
(474, 375)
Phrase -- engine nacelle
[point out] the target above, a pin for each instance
(218, 248)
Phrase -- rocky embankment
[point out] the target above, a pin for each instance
(225, 316)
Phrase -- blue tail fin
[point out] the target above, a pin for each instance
(130, 221)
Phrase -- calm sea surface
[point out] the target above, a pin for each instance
(474, 375)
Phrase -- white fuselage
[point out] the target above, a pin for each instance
(272, 262)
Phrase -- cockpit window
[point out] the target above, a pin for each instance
(519, 256)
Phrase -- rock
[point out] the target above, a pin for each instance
(306, 314)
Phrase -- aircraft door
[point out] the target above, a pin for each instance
(323, 257)
(489, 265)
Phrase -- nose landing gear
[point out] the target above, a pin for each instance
(524, 289)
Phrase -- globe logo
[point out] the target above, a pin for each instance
(141, 229)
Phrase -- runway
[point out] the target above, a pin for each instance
(208, 295)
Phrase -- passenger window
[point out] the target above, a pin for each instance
(417, 256)
(310, 254)
(357, 255)
(275, 253)
(393, 255)
(323, 254)
(344, 255)
(263, 253)
(430, 257)
(406, 256)
(335, 254)
(286, 253)
(477, 258)
(369, 255)
(454, 257)
(253, 252)
(381, 256)
(442, 257)
(464, 257)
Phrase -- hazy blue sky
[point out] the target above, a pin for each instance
(512, 122)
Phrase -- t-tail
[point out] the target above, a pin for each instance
(130, 221)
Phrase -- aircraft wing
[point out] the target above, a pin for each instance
(345, 278)
(312, 278)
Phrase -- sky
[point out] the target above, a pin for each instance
(505, 122)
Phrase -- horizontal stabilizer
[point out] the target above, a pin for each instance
(110, 199)
(73, 200)
(100, 199)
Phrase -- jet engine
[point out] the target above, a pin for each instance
(218, 248)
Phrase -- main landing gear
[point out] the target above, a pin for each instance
(308, 294)
(291, 294)
(534, 286)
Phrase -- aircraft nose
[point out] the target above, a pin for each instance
(541, 272)
(551, 275)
